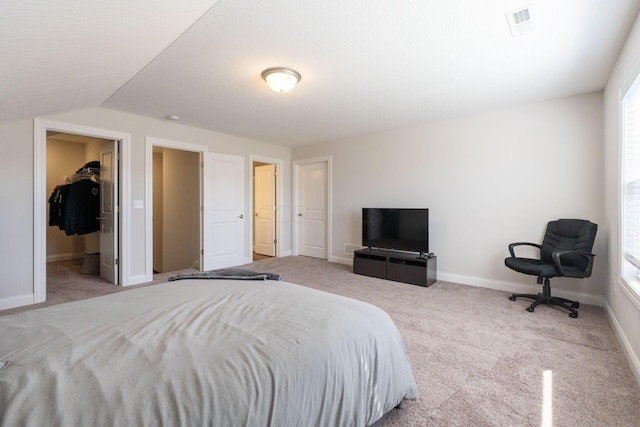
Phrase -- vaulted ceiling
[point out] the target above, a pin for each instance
(366, 65)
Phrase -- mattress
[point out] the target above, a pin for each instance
(203, 352)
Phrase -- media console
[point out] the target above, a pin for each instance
(397, 266)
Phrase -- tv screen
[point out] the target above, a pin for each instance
(400, 229)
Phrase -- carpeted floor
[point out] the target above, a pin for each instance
(478, 358)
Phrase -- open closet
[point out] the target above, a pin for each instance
(176, 209)
(76, 194)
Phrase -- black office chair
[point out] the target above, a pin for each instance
(565, 252)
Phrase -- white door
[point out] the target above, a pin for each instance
(312, 210)
(265, 210)
(223, 217)
(109, 212)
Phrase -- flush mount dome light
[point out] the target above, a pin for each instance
(281, 79)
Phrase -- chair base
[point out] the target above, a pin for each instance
(546, 298)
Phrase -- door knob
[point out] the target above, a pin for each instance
(240, 216)
(299, 214)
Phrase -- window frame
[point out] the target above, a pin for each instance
(629, 271)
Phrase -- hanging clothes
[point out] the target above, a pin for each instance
(82, 209)
(75, 207)
(56, 206)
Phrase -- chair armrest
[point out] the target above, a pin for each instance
(558, 263)
(513, 245)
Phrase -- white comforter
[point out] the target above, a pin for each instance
(203, 352)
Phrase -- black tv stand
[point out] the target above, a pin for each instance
(403, 267)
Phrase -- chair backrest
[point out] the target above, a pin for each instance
(573, 234)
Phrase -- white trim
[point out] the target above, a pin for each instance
(40, 196)
(632, 75)
(151, 142)
(519, 288)
(16, 301)
(627, 348)
(279, 191)
(500, 285)
(630, 292)
(176, 145)
(619, 262)
(329, 209)
(39, 211)
(342, 260)
(296, 165)
(125, 210)
(65, 257)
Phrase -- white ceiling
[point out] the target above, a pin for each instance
(366, 65)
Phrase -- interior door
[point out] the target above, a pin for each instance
(265, 209)
(224, 210)
(312, 210)
(109, 212)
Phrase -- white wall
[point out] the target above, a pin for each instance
(16, 227)
(488, 180)
(16, 169)
(623, 307)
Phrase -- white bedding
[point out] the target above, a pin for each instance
(203, 352)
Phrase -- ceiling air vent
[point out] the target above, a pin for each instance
(520, 21)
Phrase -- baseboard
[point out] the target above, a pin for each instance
(519, 288)
(286, 253)
(342, 260)
(17, 301)
(499, 285)
(632, 358)
(64, 257)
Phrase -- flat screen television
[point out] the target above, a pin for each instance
(399, 229)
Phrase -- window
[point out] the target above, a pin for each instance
(631, 182)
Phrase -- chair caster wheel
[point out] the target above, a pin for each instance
(512, 297)
(575, 305)
(574, 315)
(530, 309)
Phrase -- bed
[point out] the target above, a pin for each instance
(203, 352)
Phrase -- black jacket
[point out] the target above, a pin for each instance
(75, 208)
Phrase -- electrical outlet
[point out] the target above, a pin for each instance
(614, 287)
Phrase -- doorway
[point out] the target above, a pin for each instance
(312, 222)
(172, 171)
(266, 176)
(82, 227)
(221, 209)
(119, 172)
(176, 209)
(264, 210)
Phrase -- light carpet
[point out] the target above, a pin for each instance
(478, 358)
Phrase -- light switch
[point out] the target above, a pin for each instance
(138, 204)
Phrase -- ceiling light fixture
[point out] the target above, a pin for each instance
(281, 79)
